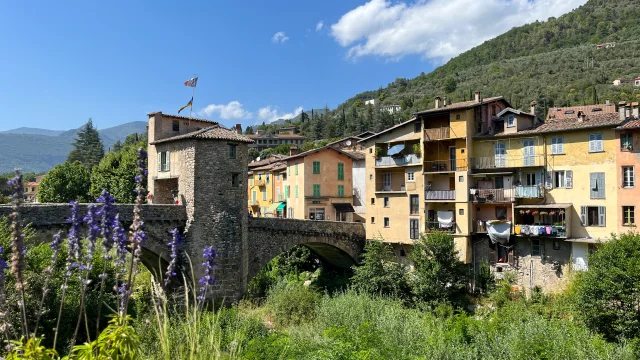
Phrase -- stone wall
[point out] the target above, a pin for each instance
(339, 243)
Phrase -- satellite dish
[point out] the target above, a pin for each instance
(348, 142)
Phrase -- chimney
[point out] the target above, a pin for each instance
(533, 107)
(478, 96)
(621, 110)
(608, 103)
(293, 150)
(627, 111)
(438, 102)
(581, 116)
(634, 109)
(445, 101)
(239, 129)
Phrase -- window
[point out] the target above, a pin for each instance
(373, 201)
(460, 178)
(457, 116)
(531, 179)
(386, 222)
(290, 211)
(340, 171)
(373, 220)
(628, 177)
(316, 167)
(596, 184)
(595, 142)
(176, 125)
(316, 190)
(410, 176)
(296, 191)
(511, 121)
(251, 181)
(628, 215)
(296, 168)
(254, 196)
(163, 161)
(417, 127)
(267, 179)
(414, 204)
(593, 215)
(232, 151)
(559, 179)
(264, 195)
(626, 142)
(286, 191)
(557, 145)
(414, 229)
(235, 180)
(461, 211)
(556, 244)
(340, 190)
(316, 214)
(370, 150)
(535, 247)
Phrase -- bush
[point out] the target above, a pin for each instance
(292, 303)
(607, 294)
(380, 273)
(65, 182)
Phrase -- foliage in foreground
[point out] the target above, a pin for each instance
(65, 182)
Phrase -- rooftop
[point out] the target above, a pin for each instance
(273, 166)
(556, 125)
(560, 113)
(512, 110)
(209, 133)
(351, 154)
(390, 129)
(181, 117)
(461, 105)
(629, 124)
(269, 160)
(276, 136)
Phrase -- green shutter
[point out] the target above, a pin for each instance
(296, 168)
(316, 190)
(296, 191)
(286, 192)
(340, 171)
(316, 167)
(340, 190)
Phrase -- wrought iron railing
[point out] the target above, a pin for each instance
(506, 161)
(440, 195)
(493, 195)
(398, 160)
(435, 225)
(445, 165)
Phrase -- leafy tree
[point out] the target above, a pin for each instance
(266, 153)
(608, 293)
(282, 149)
(253, 153)
(380, 273)
(248, 130)
(116, 173)
(438, 275)
(116, 147)
(88, 147)
(450, 85)
(64, 183)
(134, 139)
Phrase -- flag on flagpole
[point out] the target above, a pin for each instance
(190, 103)
(191, 82)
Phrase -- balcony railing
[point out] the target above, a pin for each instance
(493, 195)
(505, 161)
(440, 133)
(440, 195)
(529, 192)
(435, 225)
(445, 165)
(398, 161)
(559, 231)
(390, 188)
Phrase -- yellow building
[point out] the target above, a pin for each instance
(265, 187)
(319, 184)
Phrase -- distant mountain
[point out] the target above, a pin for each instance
(297, 117)
(34, 150)
(33, 131)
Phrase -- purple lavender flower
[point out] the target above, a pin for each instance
(17, 236)
(55, 247)
(174, 245)
(207, 280)
(3, 267)
(107, 214)
(120, 240)
(92, 220)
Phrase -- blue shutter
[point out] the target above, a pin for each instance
(601, 186)
(593, 185)
(568, 179)
(583, 215)
(602, 215)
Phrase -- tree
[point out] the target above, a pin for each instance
(64, 183)
(116, 173)
(135, 138)
(438, 275)
(282, 149)
(379, 273)
(116, 147)
(266, 153)
(450, 85)
(608, 293)
(88, 147)
(248, 130)
(253, 153)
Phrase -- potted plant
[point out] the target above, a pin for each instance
(378, 151)
(416, 150)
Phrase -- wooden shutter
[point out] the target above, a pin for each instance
(602, 216)
(549, 180)
(592, 142)
(599, 142)
(568, 179)
(168, 167)
(560, 145)
(601, 186)
(554, 147)
(159, 161)
(593, 185)
(583, 215)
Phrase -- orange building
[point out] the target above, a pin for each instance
(627, 160)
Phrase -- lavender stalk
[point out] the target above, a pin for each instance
(108, 213)
(174, 246)
(55, 247)
(207, 280)
(17, 245)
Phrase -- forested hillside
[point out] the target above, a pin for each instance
(555, 63)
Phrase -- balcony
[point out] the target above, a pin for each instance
(440, 195)
(403, 160)
(493, 195)
(253, 202)
(546, 220)
(259, 182)
(529, 192)
(441, 133)
(385, 188)
(447, 165)
(506, 161)
(435, 225)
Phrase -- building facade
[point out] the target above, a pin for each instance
(266, 141)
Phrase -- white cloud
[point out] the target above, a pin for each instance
(319, 25)
(436, 29)
(270, 113)
(279, 38)
(232, 110)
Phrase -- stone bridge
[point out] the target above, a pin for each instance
(244, 245)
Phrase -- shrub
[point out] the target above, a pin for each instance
(65, 182)
(380, 273)
(292, 303)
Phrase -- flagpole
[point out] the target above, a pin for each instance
(193, 93)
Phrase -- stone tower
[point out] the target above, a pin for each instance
(205, 169)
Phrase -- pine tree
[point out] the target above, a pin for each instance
(88, 147)
(116, 147)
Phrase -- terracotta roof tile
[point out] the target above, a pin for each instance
(282, 136)
(461, 105)
(630, 124)
(212, 132)
(592, 121)
(571, 112)
(182, 117)
(312, 151)
(269, 160)
(390, 129)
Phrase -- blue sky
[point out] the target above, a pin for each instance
(115, 61)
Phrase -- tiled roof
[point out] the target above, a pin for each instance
(555, 125)
(283, 136)
(346, 138)
(31, 183)
(461, 105)
(309, 152)
(212, 132)
(269, 160)
(182, 117)
(273, 166)
(630, 124)
(390, 129)
(559, 113)
(356, 154)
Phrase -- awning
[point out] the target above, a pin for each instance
(343, 207)
(281, 206)
(499, 231)
(395, 149)
(272, 208)
(545, 206)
